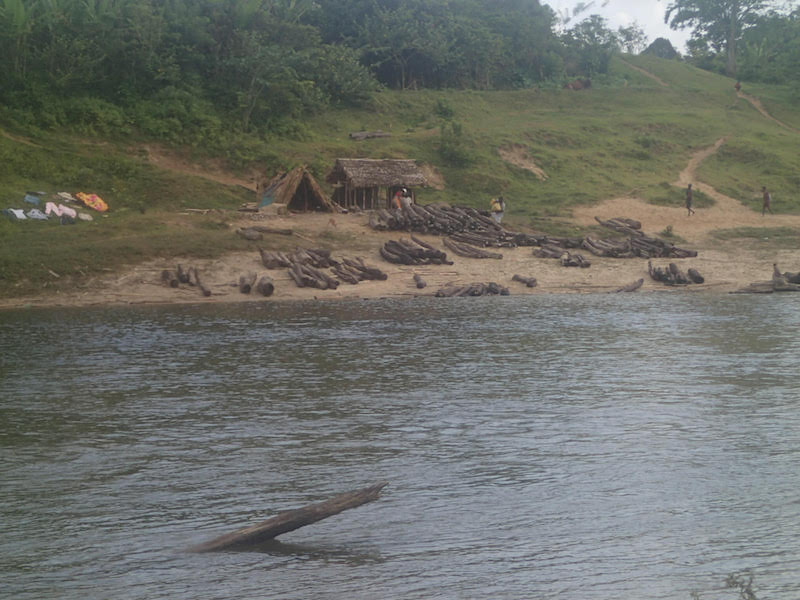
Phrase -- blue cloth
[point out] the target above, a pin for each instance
(31, 199)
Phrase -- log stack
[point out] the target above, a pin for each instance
(468, 250)
(413, 252)
(673, 275)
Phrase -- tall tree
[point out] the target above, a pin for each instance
(721, 22)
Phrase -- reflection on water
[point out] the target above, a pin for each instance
(557, 447)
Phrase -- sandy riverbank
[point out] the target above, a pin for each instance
(725, 266)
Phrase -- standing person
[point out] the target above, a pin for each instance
(397, 200)
(498, 207)
(689, 209)
(738, 86)
(767, 201)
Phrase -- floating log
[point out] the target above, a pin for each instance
(290, 520)
(246, 282)
(265, 287)
(631, 287)
(528, 281)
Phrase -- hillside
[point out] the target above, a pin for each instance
(625, 147)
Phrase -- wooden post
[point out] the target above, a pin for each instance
(290, 520)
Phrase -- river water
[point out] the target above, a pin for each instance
(561, 447)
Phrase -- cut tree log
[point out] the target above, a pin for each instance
(194, 277)
(246, 282)
(169, 278)
(290, 520)
(528, 281)
(265, 287)
(419, 281)
(631, 287)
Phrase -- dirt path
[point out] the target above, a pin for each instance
(726, 213)
(165, 160)
(646, 73)
(760, 108)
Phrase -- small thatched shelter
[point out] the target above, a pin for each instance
(371, 183)
(297, 190)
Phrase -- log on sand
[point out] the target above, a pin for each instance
(290, 520)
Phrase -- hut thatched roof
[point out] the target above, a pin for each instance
(368, 172)
(298, 190)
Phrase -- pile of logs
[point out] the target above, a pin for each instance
(637, 245)
(472, 289)
(672, 275)
(190, 276)
(305, 268)
(574, 260)
(469, 250)
(413, 252)
(353, 270)
(318, 258)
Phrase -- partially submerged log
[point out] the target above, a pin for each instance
(290, 520)
(472, 289)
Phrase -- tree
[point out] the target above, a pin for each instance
(720, 22)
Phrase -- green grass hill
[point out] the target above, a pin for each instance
(631, 133)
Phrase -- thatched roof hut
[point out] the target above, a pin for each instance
(298, 190)
(358, 181)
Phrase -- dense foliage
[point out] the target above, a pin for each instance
(190, 70)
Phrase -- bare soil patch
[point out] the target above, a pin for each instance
(517, 155)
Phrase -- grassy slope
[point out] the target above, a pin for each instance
(626, 135)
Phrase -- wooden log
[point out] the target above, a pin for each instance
(290, 520)
(246, 282)
(695, 276)
(265, 287)
(195, 275)
(631, 287)
(183, 276)
(528, 281)
(169, 278)
(419, 281)
(249, 234)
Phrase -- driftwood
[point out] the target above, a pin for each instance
(290, 520)
(419, 281)
(528, 281)
(631, 287)
(246, 282)
(472, 289)
(265, 287)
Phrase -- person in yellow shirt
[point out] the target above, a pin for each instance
(498, 208)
